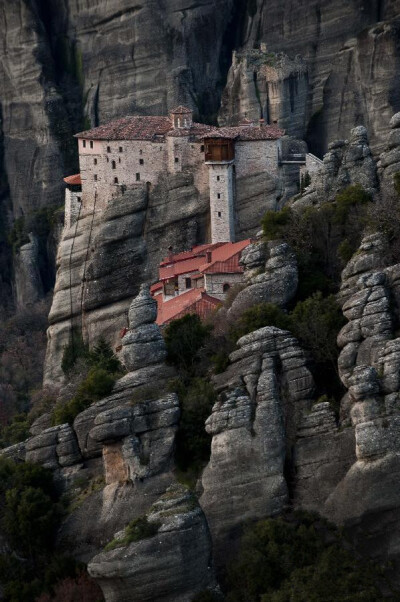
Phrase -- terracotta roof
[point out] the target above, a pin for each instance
(130, 128)
(195, 300)
(194, 252)
(197, 131)
(185, 266)
(156, 287)
(143, 128)
(224, 255)
(248, 132)
(181, 110)
(74, 180)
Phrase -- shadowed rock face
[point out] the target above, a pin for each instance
(171, 566)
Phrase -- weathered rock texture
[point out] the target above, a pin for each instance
(389, 161)
(171, 566)
(263, 394)
(105, 256)
(341, 63)
(346, 163)
(277, 282)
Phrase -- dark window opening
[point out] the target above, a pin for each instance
(91, 144)
(226, 287)
(176, 160)
(95, 161)
(140, 152)
(219, 213)
(137, 177)
(141, 161)
(202, 148)
(84, 143)
(119, 159)
(115, 180)
(188, 282)
(78, 198)
(113, 164)
(95, 177)
(218, 196)
(109, 149)
(217, 178)
(108, 160)
(120, 149)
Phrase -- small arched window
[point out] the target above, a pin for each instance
(226, 287)
(115, 180)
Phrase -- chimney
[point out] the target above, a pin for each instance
(208, 256)
(262, 122)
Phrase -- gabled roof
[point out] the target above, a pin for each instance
(194, 252)
(191, 264)
(195, 300)
(222, 258)
(181, 110)
(74, 180)
(247, 132)
(130, 128)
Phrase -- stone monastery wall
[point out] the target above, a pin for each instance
(256, 156)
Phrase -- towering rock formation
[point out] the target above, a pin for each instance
(263, 393)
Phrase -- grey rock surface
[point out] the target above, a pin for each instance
(253, 426)
(171, 566)
(271, 275)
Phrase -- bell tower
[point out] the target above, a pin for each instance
(220, 158)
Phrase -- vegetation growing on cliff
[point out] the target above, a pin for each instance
(303, 559)
(31, 513)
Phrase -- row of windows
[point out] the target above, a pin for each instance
(116, 179)
(114, 165)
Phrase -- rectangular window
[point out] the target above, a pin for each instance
(95, 161)
(95, 177)
(218, 196)
(115, 180)
(109, 149)
(91, 144)
(138, 177)
(84, 143)
(141, 161)
(219, 213)
(119, 159)
(202, 148)
(120, 149)
(217, 178)
(188, 282)
(176, 160)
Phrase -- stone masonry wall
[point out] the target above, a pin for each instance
(215, 283)
(255, 157)
(222, 209)
(73, 201)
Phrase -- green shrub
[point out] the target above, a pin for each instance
(16, 431)
(274, 223)
(192, 441)
(302, 560)
(75, 349)
(102, 356)
(318, 235)
(138, 529)
(258, 316)
(95, 386)
(184, 339)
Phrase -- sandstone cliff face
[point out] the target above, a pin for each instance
(349, 53)
(265, 390)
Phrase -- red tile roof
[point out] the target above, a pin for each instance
(194, 301)
(130, 128)
(74, 180)
(185, 266)
(156, 287)
(194, 252)
(181, 110)
(225, 259)
(197, 131)
(248, 132)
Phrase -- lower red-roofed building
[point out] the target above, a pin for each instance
(198, 280)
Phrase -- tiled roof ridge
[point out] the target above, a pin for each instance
(180, 110)
(74, 180)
